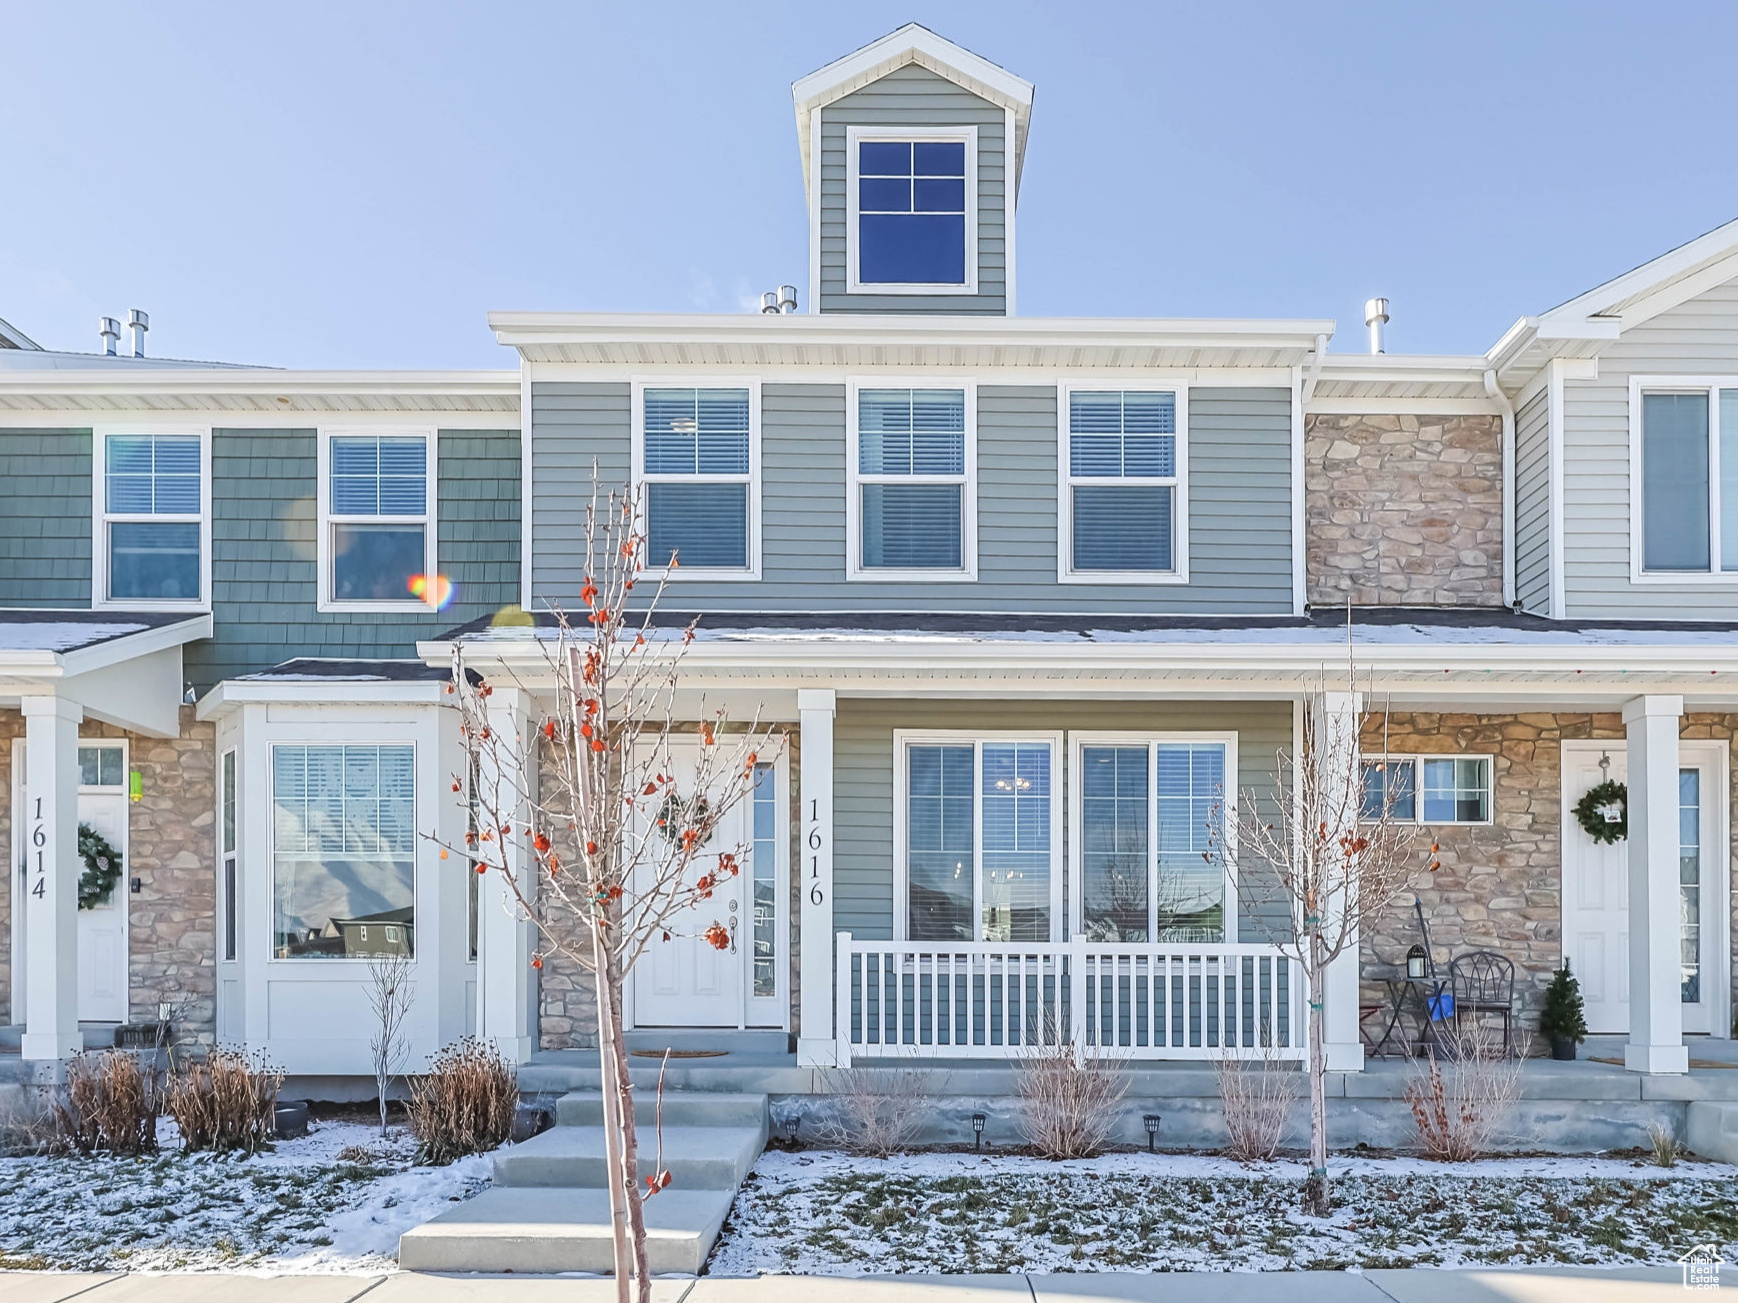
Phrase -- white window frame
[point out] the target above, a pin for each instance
(1710, 385)
(1078, 742)
(431, 497)
(102, 518)
(1418, 758)
(854, 480)
(967, 135)
(1066, 480)
(903, 740)
(640, 478)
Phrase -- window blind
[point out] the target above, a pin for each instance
(1129, 437)
(691, 436)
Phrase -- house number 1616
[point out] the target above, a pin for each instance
(815, 842)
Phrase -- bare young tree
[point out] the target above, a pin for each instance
(390, 993)
(627, 830)
(1325, 863)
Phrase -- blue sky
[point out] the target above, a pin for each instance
(356, 185)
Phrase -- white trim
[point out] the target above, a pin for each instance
(814, 204)
(1554, 481)
(101, 517)
(639, 479)
(1078, 741)
(527, 527)
(854, 480)
(1010, 204)
(1178, 483)
(326, 603)
(1710, 386)
(855, 135)
(903, 740)
(1417, 758)
(1299, 488)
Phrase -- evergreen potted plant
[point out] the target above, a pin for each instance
(1562, 1021)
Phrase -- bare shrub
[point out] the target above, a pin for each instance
(1257, 1094)
(225, 1103)
(29, 1127)
(465, 1103)
(390, 993)
(875, 1110)
(1067, 1102)
(110, 1104)
(1462, 1099)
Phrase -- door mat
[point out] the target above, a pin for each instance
(678, 1054)
(1694, 1063)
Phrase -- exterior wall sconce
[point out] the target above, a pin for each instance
(1415, 961)
(1151, 1122)
(978, 1121)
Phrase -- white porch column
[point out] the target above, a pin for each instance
(1656, 1010)
(51, 873)
(816, 1046)
(1338, 738)
(506, 994)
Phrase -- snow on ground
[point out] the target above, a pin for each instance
(334, 1201)
(828, 1214)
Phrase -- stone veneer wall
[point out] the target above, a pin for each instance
(170, 849)
(1404, 510)
(1500, 886)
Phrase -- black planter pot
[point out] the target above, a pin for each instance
(291, 1119)
(1563, 1048)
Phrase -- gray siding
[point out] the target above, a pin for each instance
(1239, 506)
(1697, 338)
(864, 776)
(264, 579)
(45, 518)
(1533, 504)
(915, 96)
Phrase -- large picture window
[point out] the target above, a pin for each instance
(1122, 499)
(1686, 473)
(377, 531)
(911, 484)
(980, 839)
(695, 460)
(343, 851)
(151, 523)
(1152, 858)
(914, 211)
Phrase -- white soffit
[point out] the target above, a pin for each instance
(233, 390)
(912, 43)
(1365, 381)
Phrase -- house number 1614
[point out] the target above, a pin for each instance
(39, 844)
(815, 842)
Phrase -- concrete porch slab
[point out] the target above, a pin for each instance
(699, 1157)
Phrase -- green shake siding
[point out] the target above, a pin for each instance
(45, 519)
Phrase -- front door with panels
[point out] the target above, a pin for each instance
(1596, 921)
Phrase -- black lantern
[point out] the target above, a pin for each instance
(789, 1126)
(978, 1121)
(1416, 960)
(1151, 1122)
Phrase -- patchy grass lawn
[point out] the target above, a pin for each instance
(821, 1213)
(334, 1201)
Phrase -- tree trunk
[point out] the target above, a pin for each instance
(615, 1176)
(630, 1152)
(1315, 1198)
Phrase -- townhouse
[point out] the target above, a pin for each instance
(1038, 599)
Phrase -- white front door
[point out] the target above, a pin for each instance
(1596, 889)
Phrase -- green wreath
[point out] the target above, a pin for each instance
(102, 868)
(677, 814)
(1590, 812)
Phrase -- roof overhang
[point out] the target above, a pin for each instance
(230, 389)
(875, 340)
(1371, 382)
(912, 43)
(120, 669)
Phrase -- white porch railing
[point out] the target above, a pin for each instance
(982, 1000)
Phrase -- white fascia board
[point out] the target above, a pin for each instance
(234, 693)
(1403, 368)
(1719, 244)
(262, 386)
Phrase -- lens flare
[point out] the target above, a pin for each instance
(436, 590)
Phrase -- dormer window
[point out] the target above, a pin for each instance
(913, 219)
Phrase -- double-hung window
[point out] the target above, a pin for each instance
(377, 539)
(911, 510)
(1151, 858)
(695, 461)
(980, 838)
(1124, 512)
(153, 526)
(1428, 789)
(913, 199)
(1684, 459)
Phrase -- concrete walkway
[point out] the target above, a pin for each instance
(1535, 1285)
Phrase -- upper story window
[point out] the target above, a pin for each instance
(1454, 789)
(1123, 501)
(153, 537)
(377, 535)
(913, 211)
(1688, 470)
(696, 459)
(912, 490)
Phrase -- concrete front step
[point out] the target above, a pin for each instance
(584, 1108)
(523, 1229)
(698, 1158)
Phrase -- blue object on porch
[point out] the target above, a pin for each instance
(1441, 1006)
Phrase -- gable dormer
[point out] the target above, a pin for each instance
(911, 153)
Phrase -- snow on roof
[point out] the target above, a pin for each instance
(60, 635)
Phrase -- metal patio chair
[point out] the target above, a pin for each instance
(1484, 982)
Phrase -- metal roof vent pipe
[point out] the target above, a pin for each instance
(110, 330)
(1375, 317)
(787, 298)
(138, 323)
(769, 304)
